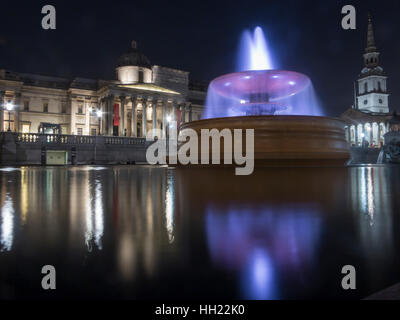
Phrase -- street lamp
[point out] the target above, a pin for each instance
(99, 114)
(9, 107)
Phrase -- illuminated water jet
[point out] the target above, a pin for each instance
(281, 107)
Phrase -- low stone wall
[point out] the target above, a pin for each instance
(364, 155)
(30, 149)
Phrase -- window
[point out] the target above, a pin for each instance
(380, 101)
(80, 131)
(26, 105)
(45, 107)
(63, 107)
(25, 128)
(365, 87)
(365, 101)
(93, 133)
(379, 86)
(80, 108)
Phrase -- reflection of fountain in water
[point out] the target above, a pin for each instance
(262, 242)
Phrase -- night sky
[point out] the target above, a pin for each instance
(203, 38)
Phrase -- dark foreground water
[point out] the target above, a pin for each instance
(153, 232)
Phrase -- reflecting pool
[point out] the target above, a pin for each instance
(142, 232)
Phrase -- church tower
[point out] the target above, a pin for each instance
(372, 95)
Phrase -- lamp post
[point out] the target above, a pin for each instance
(9, 107)
(99, 114)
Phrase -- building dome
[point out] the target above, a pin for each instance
(134, 58)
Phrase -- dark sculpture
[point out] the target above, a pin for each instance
(391, 150)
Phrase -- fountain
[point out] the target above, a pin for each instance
(279, 105)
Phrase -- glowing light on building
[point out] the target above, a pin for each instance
(148, 87)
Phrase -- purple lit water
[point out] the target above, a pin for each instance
(257, 88)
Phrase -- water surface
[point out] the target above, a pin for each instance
(141, 232)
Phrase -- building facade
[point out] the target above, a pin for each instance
(368, 118)
(142, 97)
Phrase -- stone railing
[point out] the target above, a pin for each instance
(125, 140)
(32, 148)
(38, 138)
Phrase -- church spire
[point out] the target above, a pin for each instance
(370, 36)
(371, 55)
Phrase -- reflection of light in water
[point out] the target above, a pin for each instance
(371, 197)
(24, 195)
(258, 241)
(94, 227)
(258, 276)
(7, 224)
(127, 256)
(9, 169)
(169, 208)
(365, 180)
(98, 215)
(88, 168)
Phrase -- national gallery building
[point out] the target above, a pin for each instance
(143, 97)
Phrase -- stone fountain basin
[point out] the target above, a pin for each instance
(286, 140)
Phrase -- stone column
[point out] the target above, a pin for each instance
(73, 116)
(87, 117)
(122, 112)
(183, 115)
(371, 136)
(154, 113)
(16, 111)
(190, 113)
(144, 118)
(174, 112)
(356, 135)
(134, 117)
(349, 135)
(164, 116)
(103, 117)
(2, 106)
(111, 115)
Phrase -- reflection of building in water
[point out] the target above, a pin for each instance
(145, 218)
(261, 242)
